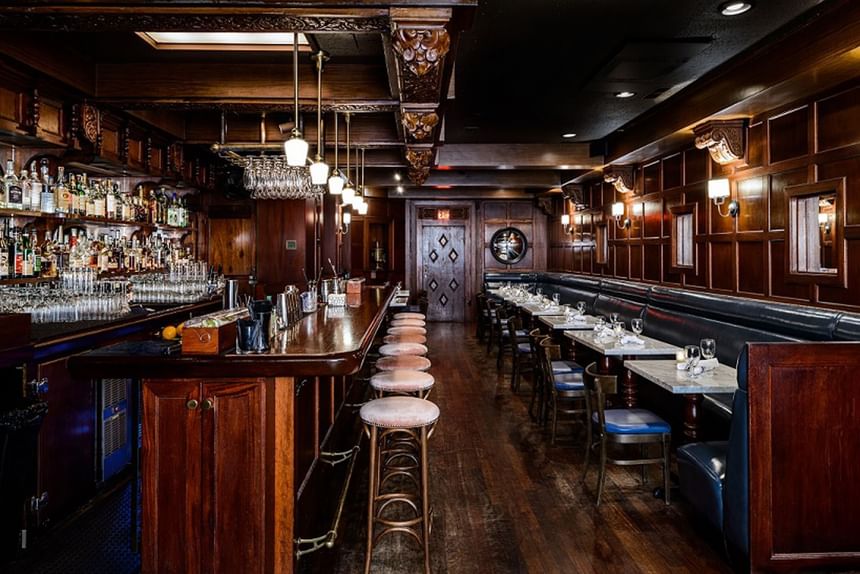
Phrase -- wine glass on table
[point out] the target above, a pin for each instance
(692, 355)
(709, 348)
(580, 307)
(637, 326)
(556, 298)
(618, 329)
(613, 317)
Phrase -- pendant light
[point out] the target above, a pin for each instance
(296, 148)
(348, 191)
(335, 182)
(319, 168)
(362, 205)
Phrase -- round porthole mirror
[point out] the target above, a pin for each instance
(508, 245)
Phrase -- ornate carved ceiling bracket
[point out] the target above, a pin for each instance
(621, 177)
(725, 140)
(419, 124)
(419, 45)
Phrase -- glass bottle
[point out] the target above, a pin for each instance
(36, 187)
(4, 252)
(62, 195)
(11, 184)
(26, 189)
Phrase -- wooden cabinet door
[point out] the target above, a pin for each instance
(171, 477)
(66, 442)
(234, 476)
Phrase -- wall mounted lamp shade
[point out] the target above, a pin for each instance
(296, 148)
(345, 221)
(719, 190)
(618, 214)
(565, 219)
(638, 209)
(347, 217)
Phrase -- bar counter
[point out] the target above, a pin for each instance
(231, 443)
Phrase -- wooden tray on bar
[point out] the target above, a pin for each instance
(208, 340)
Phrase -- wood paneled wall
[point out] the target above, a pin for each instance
(809, 141)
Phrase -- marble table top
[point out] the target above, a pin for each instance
(665, 374)
(537, 310)
(559, 323)
(612, 348)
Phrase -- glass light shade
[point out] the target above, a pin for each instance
(565, 219)
(296, 150)
(348, 195)
(638, 209)
(718, 188)
(335, 184)
(362, 208)
(823, 218)
(618, 209)
(347, 217)
(319, 172)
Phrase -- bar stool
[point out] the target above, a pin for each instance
(383, 418)
(408, 323)
(403, 362)
(407, 331)
(398, 349)
(408, 338)
(410, 315)
(402, 383)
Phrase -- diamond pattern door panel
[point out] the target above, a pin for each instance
(444, 271)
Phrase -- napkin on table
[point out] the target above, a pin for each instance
(631, 339)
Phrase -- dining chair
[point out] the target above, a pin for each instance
(539, 376)
(504, 341)
(565, 392)
(522, 357)
(621, 427)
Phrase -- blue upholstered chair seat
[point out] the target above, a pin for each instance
(524, 347)
(568, 382)
(559, 367)
(701, 470)
(521, 334)
(633, 421)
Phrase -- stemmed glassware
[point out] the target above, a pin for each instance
(637, 326)
(580, 307)
(692, 355)
(618, 329)
(556, 299)
(708, 348)
(613, 317)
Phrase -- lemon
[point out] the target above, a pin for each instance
(168, 333)
(179, 328)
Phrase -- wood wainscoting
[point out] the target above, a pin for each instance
(807, 141)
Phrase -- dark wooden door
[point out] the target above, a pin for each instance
(233, 472)
(443, 260)
(66, 443)
(171, 477)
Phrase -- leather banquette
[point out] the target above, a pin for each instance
(714, 475)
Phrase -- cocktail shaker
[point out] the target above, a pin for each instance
(231, 294)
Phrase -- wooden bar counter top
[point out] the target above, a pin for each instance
(231, 443)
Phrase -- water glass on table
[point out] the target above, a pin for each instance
(618, 329)
(692, 355)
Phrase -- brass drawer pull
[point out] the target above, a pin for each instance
(192, 404)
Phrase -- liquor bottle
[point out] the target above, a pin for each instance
(12, 185)
(49, 258)
(26, 189)
(16, 262)
(62, 195)
(26, 256)
(47, 201)
(110, 200)
(99, 201)
(35, 189)
(4, 252)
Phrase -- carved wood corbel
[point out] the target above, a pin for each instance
(725, 140)
(90, 123)
(621, 177)
(419, 124)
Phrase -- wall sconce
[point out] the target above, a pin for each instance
(618, 214)
(346, 220)
(638, 209)
(565, 222)
(824, 222)
(718, 191)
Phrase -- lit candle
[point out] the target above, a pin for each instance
(680, 357)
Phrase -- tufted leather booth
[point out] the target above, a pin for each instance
(714, 475)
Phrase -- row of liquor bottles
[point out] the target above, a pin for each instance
(83, 197)
(23, 255)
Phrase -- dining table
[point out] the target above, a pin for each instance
(615, 353)
(675, 378)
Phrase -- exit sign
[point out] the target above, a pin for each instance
(292, 244)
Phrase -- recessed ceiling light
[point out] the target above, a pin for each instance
(568, 136)
(734, 8)
(256, 41)
(624, 94)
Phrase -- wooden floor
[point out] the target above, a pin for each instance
(506, 502)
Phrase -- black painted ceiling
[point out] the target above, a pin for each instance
(529, 71)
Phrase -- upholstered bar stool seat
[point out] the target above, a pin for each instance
(397, 349)
(416, 338)
(407, 331)
(408, 323)
(403, 362)
(420, 316)
(386, 421)
(402, 382)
